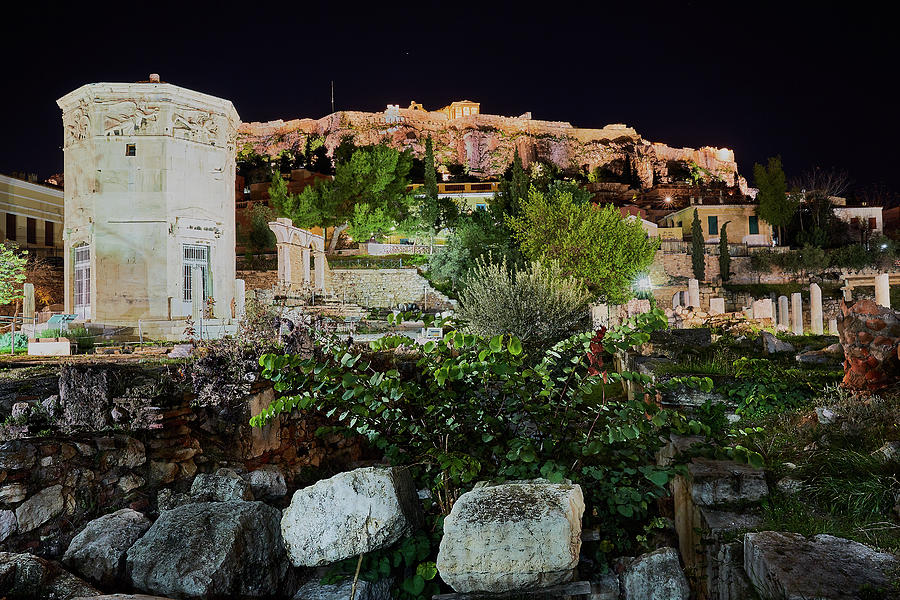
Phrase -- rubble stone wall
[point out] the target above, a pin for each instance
(52, 483)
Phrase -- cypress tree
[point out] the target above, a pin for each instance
(431, 186)
(724, 257)
(518, 187)
(697, 248)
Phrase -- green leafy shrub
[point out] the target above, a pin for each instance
(468, 408)
(763, 386)
(537, 303)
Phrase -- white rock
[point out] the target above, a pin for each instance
(655, 576)
(825, 415)
(97, 553)
(12, 493)
(40, 508)
(513, 536)
(350, 514)
(7, 524)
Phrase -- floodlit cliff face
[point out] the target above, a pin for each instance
(485, 144)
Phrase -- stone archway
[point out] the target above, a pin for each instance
(295, 247)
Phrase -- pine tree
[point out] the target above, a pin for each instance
(697, 248)
(724, 257)
(431, 186)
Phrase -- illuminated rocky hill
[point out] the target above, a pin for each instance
(485, 144)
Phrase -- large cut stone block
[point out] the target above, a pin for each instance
(98, 551)
(789, 566)
(513, 536)
(210, 550)
(725, 482)
(350, 514)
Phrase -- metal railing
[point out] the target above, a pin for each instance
(741, 249)
(11, 321)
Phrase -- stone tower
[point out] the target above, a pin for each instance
(149, 201)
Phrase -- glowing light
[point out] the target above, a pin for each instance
(884, 246)
(668, 198)
(643, 283)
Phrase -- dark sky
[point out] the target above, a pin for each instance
(810, 83)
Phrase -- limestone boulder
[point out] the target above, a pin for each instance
(513, 536)
(655, 576)
(210, 550)
(28, 577)
(7, 524)
(350, 514)
(315, 590)
(40, 508)
(267, 483)
(772, 345)
(222, 486)
(792, 567)
(97, 553)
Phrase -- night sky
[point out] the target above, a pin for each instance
(811, 84)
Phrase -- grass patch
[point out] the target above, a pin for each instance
(795, 514)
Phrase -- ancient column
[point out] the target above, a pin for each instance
(783, 318)
(796, 313)
(883, 290)
(832, 327)
(815, 309)
(284, 263)
(28, 302)
(694, 293)
(848, 292)
(762, 309)
(240, 295)
(320, 271)
(307, 279)
(716, 306)
(197, 297)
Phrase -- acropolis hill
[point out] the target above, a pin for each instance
(485, 144)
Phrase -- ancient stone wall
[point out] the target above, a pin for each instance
(258, 280)
(386, 288)
(52, 483)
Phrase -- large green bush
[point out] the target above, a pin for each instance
(468, 408)
(537, 303)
